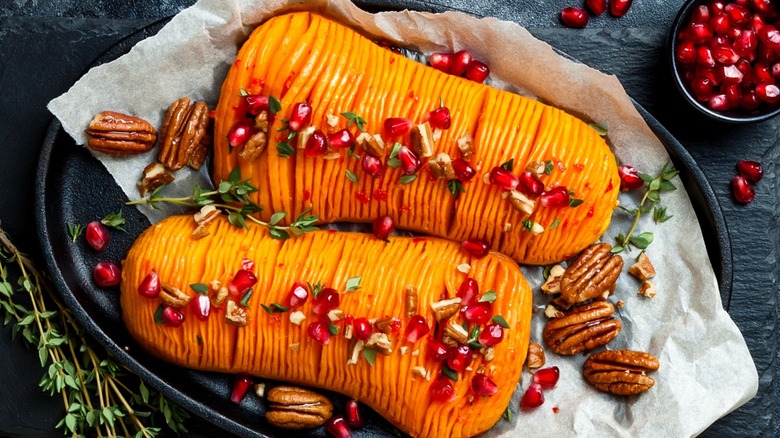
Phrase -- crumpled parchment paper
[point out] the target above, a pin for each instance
(706, 369)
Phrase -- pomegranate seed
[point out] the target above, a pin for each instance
(746, 42)
(317, 144)
(240, 387)
(533, 398)
(397, 126)
(362, 328)
(750, 101)
(372, 165)
(459, 358)
(776, 70)
(751, 170)
(739, 15)
(768, 93)
(437, 351)
(247, 264)
(596, 7)
(700, 14)
(619, 8)
(478, 313)
(106, 274)
(318, 331)
(96, 235)
(503, 178)
(743, 190)
(530, 184)
(704, 56)
(460, 62)
(767, 54)
(172, 317)
(555, 198)
(729, 75)
(416, 329)
(547, 377)
(352, 411)
(297, 296)
(300, 117)
(702, 33)
(442, 391)
(201, 306)
(476, 247)
(441, 61)
(382, 227)
(468, 291)
(575, 18)
(240, 133)
(241, 282)
(256, 103)
(765, 7)
(410, 164)
(718, 102)
(757, 24)
(722, 40)
(629, 178)
(725, 55)
(341, 139)
(702, 88)
(483, 385)
(150, 285)
(440, 118)
(463, 169)
(686, 52)
(762, 74)
(337, 427)
(717, 7)
(477, 72)
(733, 95)
(720, 24)
(491, 335)
(326, 301)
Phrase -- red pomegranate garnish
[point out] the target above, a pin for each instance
(201, 306)
(241, 386)
(718, 102)
(297, 295)
(240, 132)
(547, 377)
(172, 317)
(416, 328)
(619, 8)
(629, 178)
(702, 88)
(725, 55)
(478, 313)
(573, 17)
(397, 126)
(468, 291)
(300, 116)
(440, 118)
(483, 385)
(96, 235)
(704, 57)
(241, 282)
(437, 351)
(530, 184)
(256, 103)
(491, 335)
(362, 328)
(106, 274)
(441, 61)
(459, 358)
(477, 72)
(533, 397)
(382, 227)
(556, 197)
(326, 301)
(337, 427)
(150, 285)
(769, 93)
(743, 190)
(503, 178)
(247, 264)
(700, 14)
(750, 101)
(352, 414)
(476, 247)
(341, 139)
(442, 391)
(372, 165)
(316, 145)
(596, 7)
(460, 62)
(410, 164)
(686, 52)
(738, 14)
(463, 170)
(318, 331)
(751, 170)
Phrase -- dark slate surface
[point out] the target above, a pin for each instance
(44, 47)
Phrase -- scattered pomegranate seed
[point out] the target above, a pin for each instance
(459, 358)
(240, 132)
(441, 61)
(317, 144)
(172, 317)
(463, 169)
(460, 62)
(96, 235)
(478, 313)
(596, 7)
(476, 247)
(300, 117)
(629, 178)
(297, 296)
(362, 328)
(326, 301)
(618, 8)
(575, 18)
(241, 386)
(247, 264)
(106, 274)
(751, 170)
(769, 93)
(503, 178)
(533, 397)
(442, 391)
(437, 351)
(241, 282)
(547, 377)
(410, 164)
(337, 427)
(382, 227)
(440, 118)
(318, 331)
(150, 285)
(372, 165)
(477, 72)
(555, 198)
(468, 291)
(256, 103)
(483, 385)
(530, 184)
(341, 139)
(743, 190)
(201, 306)
(416, 328)
(397, 126)
(353, 416)
(491, 335)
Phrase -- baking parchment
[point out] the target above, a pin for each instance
(706, 369)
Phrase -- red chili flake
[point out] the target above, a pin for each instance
(360, 196)
(380, 195)
(413, 96)
(212, 113)
(280, 266)
(258, 82)
(237, 62)
(306, 195)
(332, 231)
(392, 59)
(586, 185)
(609, 187)
(567, 256)
(559, 165)
(275, 319)
(405, 208)
(579, 167)
(555, 409)
(590, 212)
(287, 83)
(418, 239)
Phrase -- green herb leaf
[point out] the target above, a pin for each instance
(660, 216)
(315, 288)
(158, 318)
(75, 230)
(546, 271)
(245, 298)
(642, 241)
(455, 187)
(278, 234)
(527, 224)
(617, 249)
(114, 220)
(333, 329)
(284, 150)
(488, 297)
(351, 152)
(237, 220)
(370, 355)
(449, 372)
(573, 202)
(353, 284)
(548, 167)
(509, 165)
(356, 119)
(274, 105)
(599, 128)
(235, 175)
(242, 92)
(351, 176)
(645, 177)
(277, 217)
(555, 224)
(498, 319)
(406, 179)
(200, 288)
(393, 160)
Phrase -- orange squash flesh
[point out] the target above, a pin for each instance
(265, 347)
(302, 56)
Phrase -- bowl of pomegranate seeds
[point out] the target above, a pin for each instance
(725, 58)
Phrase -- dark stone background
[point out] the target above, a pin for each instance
(45, 45)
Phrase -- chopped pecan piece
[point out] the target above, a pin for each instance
(155, 175)
(261, 121)
(381, 343)
(552, 312)
(219, 299)
(553, 283)
(372, 144)
(445, 308)
(421, 137)
(115, 133)
(647, 289)
(535, 358)
(536, 167)
(521, 203)
(593, 272)
(465, 146)
(173, 296)
(643, 269)
(355, 347)
(304, 135)
(411, 301)
(454, 333)
(182, 134)
(620, 372)
(236, 315)
(582, 328)
(297, 408)
(385, 325)
(441, 166)
(254, 147)
(206, 215)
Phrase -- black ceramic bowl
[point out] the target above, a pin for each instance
(739, 115)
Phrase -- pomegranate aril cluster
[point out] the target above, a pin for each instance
(545, 378)
(577, 18)
(749, 173)
(728, 55)
(460, 64)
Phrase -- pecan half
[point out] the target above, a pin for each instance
(621, 372)
(445, 308)
(594, 272)
(119, 134)
(582, 328)
(155, 175)
(441, 166)
(421, 137)
(236, 315)
(297, 408)
(182, 134)
(535, 358)
(254, 147)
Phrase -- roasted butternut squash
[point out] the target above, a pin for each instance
(272, 346)
(304, 57)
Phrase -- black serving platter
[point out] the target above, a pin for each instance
(73, 187)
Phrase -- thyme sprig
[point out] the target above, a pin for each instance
(99, 397)
(232, 197)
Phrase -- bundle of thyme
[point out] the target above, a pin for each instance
(100, 398)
